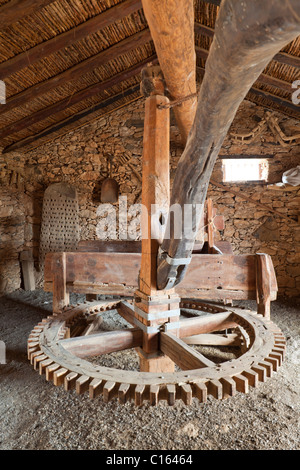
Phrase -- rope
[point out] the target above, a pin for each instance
(177, 102)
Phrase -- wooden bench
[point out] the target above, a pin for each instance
(211, 277)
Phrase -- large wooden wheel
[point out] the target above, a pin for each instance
(59, 348)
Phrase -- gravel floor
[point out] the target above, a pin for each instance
(39, 416)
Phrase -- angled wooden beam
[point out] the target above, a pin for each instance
(78, 70)
(73, 99)
(15, 10)
(68, 38)
(182, 354)
(263, 78)
(76, 117)
(282, 57)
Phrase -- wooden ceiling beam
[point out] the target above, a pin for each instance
(76, 117)
(99, 87)
(275, 99)
(15, 10)
(68, 38)
(84, 94)
(128, 44)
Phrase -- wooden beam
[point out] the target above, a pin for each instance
(103, 343)
(282, 57)
(263, 78)
(68, 38)
(208, 339)
(15, 10)
(76, 117)
(275, 99)
(72, 100)
(287, 59)
(172, 29)
(33, 92)
(86, 66)
(182, 354)
(206, 324)
(126, 310)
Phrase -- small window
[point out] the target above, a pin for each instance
(245, 169)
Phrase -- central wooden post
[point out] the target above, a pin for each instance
(154, 308)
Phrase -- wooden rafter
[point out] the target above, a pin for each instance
(73, 99)
(68, 38)
(15, 10)
(75, 72)
(71, 120)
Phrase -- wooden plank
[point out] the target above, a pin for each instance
(111, 246)
(27, 263)
(265, 277)
(232, 272)
(60, 295)
(182, 354)
(103, 343)
(15, 10)
(123, 246)
(67, 38)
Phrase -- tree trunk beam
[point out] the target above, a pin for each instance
(172, 30)
(241, 49)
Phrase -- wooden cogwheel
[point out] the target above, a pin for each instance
(62, 358)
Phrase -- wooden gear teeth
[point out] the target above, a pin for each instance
(261, 360)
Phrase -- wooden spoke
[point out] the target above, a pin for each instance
(182, 354)
(103, 343)
(206, 324)
(213, 340)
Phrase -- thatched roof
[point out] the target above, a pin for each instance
(66, 63)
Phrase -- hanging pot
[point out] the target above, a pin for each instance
(110, 187)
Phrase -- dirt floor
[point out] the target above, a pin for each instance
(39, 416)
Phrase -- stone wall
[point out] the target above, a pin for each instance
(80, 158)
